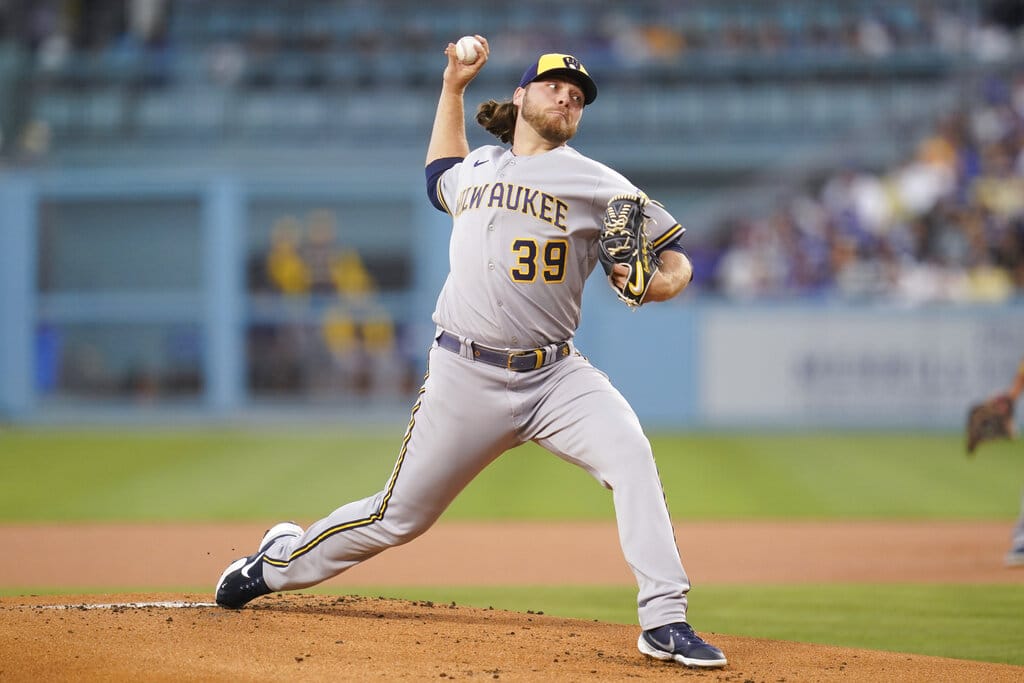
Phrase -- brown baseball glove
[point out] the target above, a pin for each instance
(990, 420)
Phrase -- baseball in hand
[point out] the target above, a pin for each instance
(467, 49)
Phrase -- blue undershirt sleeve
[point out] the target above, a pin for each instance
(674, 245)
(433, 172)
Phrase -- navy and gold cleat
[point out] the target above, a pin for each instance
(243, 580)
(679, 642)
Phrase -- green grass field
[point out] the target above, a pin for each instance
(260, 474)
(263, 474)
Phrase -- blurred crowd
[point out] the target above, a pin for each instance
(54, 30)
(236, 38)
(946, 225)
(339, 336)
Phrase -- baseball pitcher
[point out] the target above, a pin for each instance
(530, 222)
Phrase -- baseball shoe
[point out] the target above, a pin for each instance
(243, 580)
(679, 642)
(1015, 558)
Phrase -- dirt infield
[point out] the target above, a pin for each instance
(169, 635)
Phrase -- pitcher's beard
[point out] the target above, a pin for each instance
(554, 129)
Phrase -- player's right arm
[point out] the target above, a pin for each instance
(448, 136)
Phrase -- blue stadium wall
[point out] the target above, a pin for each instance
(155, 262)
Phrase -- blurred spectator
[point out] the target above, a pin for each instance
(288, 273)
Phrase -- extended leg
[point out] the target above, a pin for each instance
(458, 426)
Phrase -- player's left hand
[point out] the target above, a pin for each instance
(624, 250)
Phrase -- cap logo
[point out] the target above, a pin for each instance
(554, 62)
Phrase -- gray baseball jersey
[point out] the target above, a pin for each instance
(503, 371)
(531, 224)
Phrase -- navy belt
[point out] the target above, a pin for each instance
(516, 361)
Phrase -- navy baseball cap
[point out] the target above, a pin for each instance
(563, 65)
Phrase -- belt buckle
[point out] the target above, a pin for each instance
(538, 358)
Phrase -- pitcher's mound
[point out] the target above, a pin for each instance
(302, 637)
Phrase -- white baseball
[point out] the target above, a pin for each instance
(467, 49)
